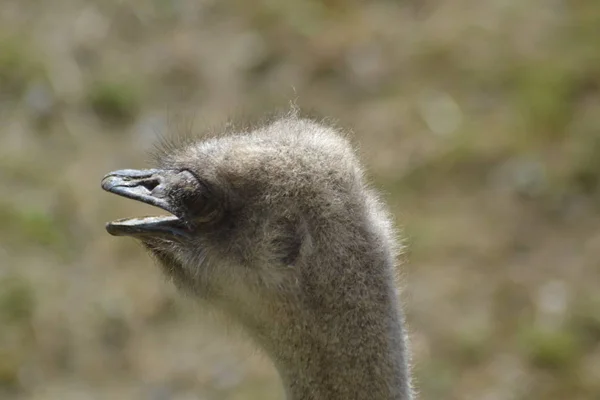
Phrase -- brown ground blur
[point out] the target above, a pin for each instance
(480, 120)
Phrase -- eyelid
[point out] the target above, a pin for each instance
(190, 172)
(202, 182)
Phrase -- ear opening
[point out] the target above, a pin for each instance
(291, 241)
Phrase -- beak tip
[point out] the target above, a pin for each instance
(108, 182)
(109, 228)
(112, 229)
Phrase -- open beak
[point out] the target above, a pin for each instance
(151, 186)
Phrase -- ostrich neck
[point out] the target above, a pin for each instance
(356, 352)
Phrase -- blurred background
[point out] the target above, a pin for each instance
(479, 120)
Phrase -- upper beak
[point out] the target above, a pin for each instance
(139, 185)
(151, 187)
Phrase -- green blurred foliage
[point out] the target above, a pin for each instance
(19, 65)
(117, 102)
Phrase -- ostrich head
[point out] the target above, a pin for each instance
(277, 229)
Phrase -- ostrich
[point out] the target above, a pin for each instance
(277, 229)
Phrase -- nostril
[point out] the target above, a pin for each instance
(150, 184)
(159, 189)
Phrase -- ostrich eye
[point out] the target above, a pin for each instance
(195, 198)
